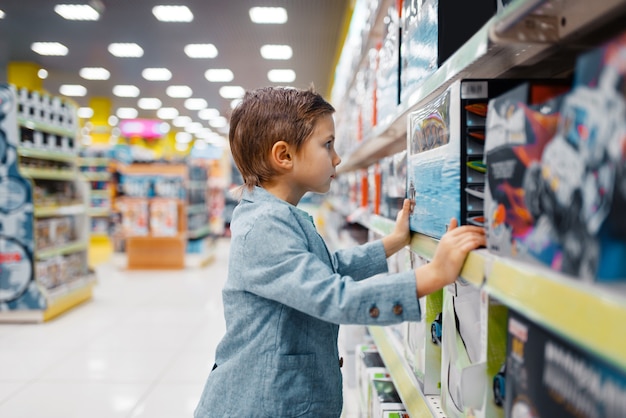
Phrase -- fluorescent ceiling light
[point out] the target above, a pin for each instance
(127, 113)
(281, 76)
(77, 11)
(167, 113)
(126, 50)
(219, 75)
(276, 52)
(181, 121)
(195, 104)
(193, 127)
(180, 92)
(125, 90)
(201, 51)
(232, 92)
(172, 13)
(265, 15)
(49, 48)
(208, 113)
(156, 74)
(94, 73)
(149, 103)
(183, 137)
(73, 90)
(219, 122)
(84, 112)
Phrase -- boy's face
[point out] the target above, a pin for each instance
(315, 163)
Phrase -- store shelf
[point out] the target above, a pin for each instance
(99, 193)
(199, 233)
(62, 249)
(93, 161)
(416, 404)
(487, 55)
(96, 176)
(95, 212)
(45, 127)
(44, 154)
(48, 174)
(47, 211)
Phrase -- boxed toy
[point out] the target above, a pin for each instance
(446, 174)
(385, 398)
(432, 31)
(422, 340)
(557, 183)
(393, 184)
(163, 217)
(546, 376)
(369, 365)
(474, 349)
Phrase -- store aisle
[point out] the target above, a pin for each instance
(142, 347)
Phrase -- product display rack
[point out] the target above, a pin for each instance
(51, 223)
(529, 38)
(95, 170)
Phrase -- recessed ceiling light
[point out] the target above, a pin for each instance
(42, 73)
(167, 113)
(219, 122)
(201, 51)
(264, 15)
(193, 127)
(181, 121)
(232, 92)
(195, 104)
(94, 73)
(276, 52)
(77, 12)
(84, 112)
(172, 13)
(209, 113)
(234, 103)
(73, 90)
(2, 14)
(49, 48)
(183, 137)
(281, 76)
(180, 92)
(149, 103)
(126, 50)
(156, 74)
(127, 113)
(125, 90)
(219, 75)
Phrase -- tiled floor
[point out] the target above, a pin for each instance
(142, 347)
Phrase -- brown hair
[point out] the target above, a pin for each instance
(266, 116)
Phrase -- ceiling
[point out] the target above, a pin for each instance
(314, 30)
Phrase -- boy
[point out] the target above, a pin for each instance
(286, 293)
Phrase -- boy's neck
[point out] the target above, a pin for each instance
(282, 191)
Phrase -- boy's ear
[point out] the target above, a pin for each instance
(281, 155)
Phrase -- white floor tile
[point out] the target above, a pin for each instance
(169, 400)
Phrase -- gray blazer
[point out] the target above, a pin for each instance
(284, 297)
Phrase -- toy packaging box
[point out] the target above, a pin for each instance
(393, 184)
(446, 173)
(556, 183)
(385, 398)
(422, 340)
(473, 352)
(547, 376)
(432, 30)
(369, 365)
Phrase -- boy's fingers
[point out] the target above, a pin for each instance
(453, 224)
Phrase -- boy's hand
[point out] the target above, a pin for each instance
(449, 257)
(401, 235)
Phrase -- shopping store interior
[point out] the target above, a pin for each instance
(116, 180)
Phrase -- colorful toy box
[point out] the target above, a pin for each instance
(446, 174)
(546, 376)
(556, 184)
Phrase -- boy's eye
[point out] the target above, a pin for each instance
(329, 144)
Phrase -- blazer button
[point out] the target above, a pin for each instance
(340, 362)
(374, 312)
(397, 309)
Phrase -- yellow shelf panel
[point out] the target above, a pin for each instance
(69, 300)
(96, 176)
(592, 316)
(45, 127)
(45, 211)
(408, 389)
(68, 248)
(48, 174)
(44, 154)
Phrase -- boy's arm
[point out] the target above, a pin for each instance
(401, 235)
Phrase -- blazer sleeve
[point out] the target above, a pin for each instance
(274, 261)
(362, 261)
